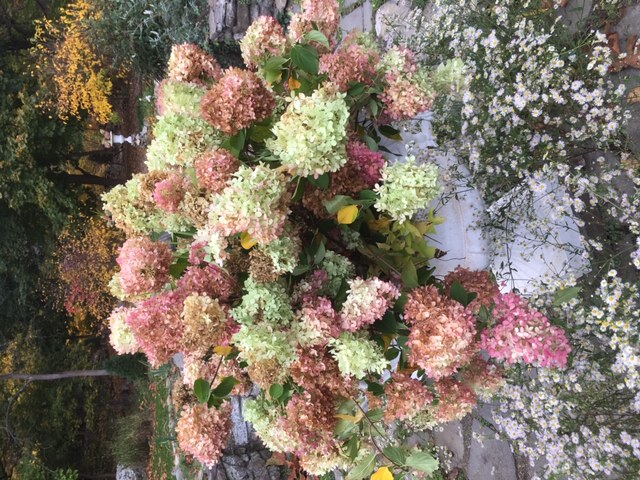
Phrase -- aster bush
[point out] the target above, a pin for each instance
(283, 249)
(541, 127)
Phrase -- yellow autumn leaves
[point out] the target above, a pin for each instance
(347, 214)
(65, 55)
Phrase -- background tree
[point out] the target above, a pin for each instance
(80, 80)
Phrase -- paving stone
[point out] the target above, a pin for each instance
(489, 458)
(360, 19)
(450, 435)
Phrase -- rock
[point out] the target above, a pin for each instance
(130, 473)
(489, 458)
(389, 13)
(358, 19)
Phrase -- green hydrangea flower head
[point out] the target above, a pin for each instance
(310, 137)
(357, 355)
(263, 303)
(178, 140)
(407, 188)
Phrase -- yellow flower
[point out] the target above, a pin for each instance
(383, 473)
(348, 214)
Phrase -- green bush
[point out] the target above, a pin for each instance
(131, 367)
(130, 440)
(139, 33)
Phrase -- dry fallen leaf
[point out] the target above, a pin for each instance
(634, 96)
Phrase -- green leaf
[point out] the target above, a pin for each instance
(368, 195)
(371, 143)
(274, 62)
(224, 387)
(320, 253)
(299, 270)
(410, 275)
(276, 390)
(424, 275)
(375, 415)
(321, 182)
(301, 186)
(272, 69)
(388, 324)
(237, 141)
(344, 429)
(390, 132)
(317, 36)
(259, 133)
(422, 461)
(341, 296)
(356, 90)
(177, 269)
(337, 202)
(202, 389)
(459, 294)
(373, 106)
(401, 302)
(352, 447)
(375, 388)
(391, 354)
(396, 455)
(363, 469)
(564, 295)
(305, 57)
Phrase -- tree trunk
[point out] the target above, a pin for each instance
(229, 19)
(88, 179)
(55, 376)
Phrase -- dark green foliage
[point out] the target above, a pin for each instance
(227, 52)
(139, 33)
(130, 440)
(131, 367)
(61, 424)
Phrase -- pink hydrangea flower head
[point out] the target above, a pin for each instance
(318, 316)
(405, 99)
(367, 301)
(315, 369)
(215, 168)
(406, 397)
(203, 431)
(523, 334)
(157, 326)
(479, 282)
(442, 333)
(197, 253)
(311, 287)
(324, 13)
(483, 377)
(189, 63)
(368, 163)
(456, 400)
(169, 193)
(263, 39)
(144, 265)
(210, 280)
(311, 418)
(352, 63)
(237, 101)
(407, 91)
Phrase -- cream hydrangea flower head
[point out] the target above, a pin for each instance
(310, 138)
